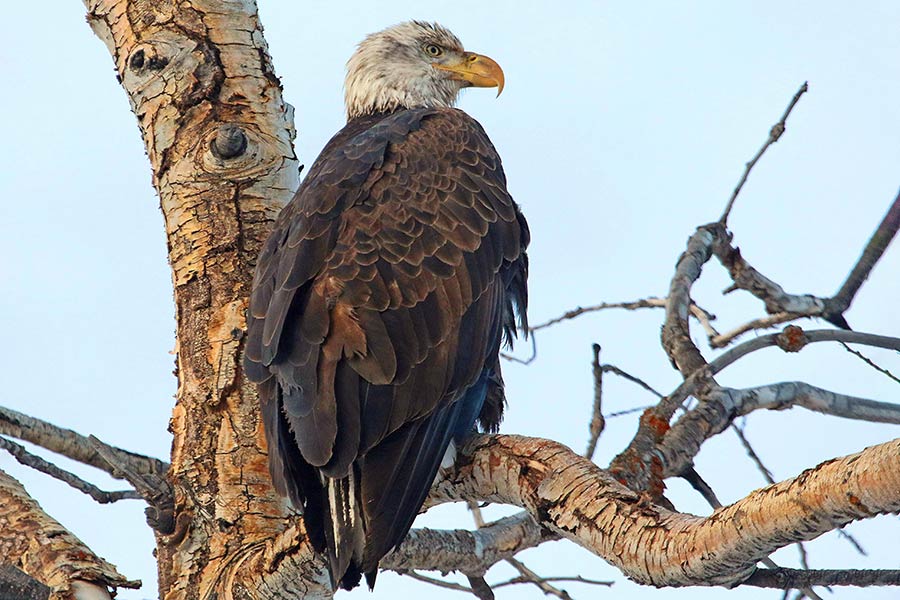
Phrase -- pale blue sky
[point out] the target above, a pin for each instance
(622, 127)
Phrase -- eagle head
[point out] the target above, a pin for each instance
(410, 65)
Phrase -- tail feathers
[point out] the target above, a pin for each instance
(343, 530)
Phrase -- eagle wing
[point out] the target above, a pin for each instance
(379, 305)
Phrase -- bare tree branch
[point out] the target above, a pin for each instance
(751, 452)
(774, 135)
(597, 422)
(574, 579)
(779, 396)
(876, 246)
(36, 462)
(703, 317)
(729, 357)
(526, 575)
(723, 339)
(152, 487)
(43, 549)
(797, 578)
(469, 552)
(676, 338)
(447, 585)
(783, 306)
(629, 377)
(652, 302)
(719, 407)
(146, 474)
(697, 482)
(14, 584)
(74, 445)
(480, 587)
(574, 498)
(747, 278)
(870, 362)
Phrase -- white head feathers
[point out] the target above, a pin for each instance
(395, 68)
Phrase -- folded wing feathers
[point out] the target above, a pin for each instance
(379, 299)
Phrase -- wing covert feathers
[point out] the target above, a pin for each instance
(379, 304)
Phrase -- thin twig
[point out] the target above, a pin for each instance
(698, 483)
(628, 411)
(766, 473)
(723, 339)
(703, 317)
(774, 135)
(804, 558)
(36, 462)
(574, 578)
(652, 302)
(597, 421)
(617, 371)
(542, 583)
(853, 542)
(870, 362)
(523, 361)
(447, 585)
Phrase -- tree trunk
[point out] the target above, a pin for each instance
(219, 138)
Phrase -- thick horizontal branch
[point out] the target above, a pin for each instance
(468, 552)
(287, 567)
(571, 496)
(787, 579)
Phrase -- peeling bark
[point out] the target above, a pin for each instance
(218, 135)
(576, 499)
(39, 546)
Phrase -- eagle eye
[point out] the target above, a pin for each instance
(433, 50)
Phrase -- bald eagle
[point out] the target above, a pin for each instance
(382, 296)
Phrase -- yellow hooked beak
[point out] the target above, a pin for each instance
(476, 69)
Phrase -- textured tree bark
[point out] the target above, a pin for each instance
(39, 546)
(576, 499)
(218, 135)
